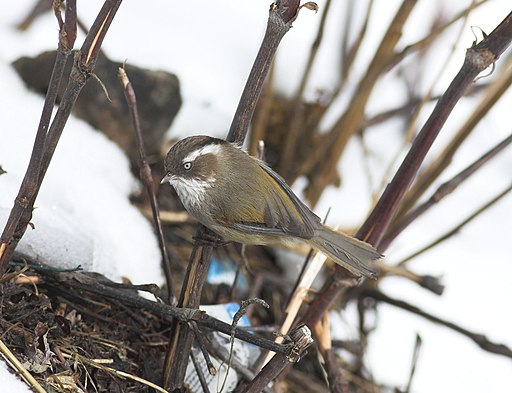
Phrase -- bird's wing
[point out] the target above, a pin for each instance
(279, 217)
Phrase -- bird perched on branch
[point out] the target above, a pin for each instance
(241, 199)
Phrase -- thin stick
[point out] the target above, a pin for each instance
(414, 363)
(85, 282)
(118, 373)
(200, 341)
(239, 314)
(220, 352)
(409, 133)
(28, 187)
(147, 179)
(261, 116)
(199, 371)
(331, 366)
(320, 166)
(297, 112)
(478, 58)
(349, 53)
(481, 340)
(182, 337)
(457, 228)
(425, 179)
(83, 67)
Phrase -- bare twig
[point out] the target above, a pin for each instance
(349, 54)
(415, 357)
(46, 142)
(147, 179)
(426, 281)
(296, 108)
(411, 127)
(319, 167)
(199, 371)
(410, 107)
(481, 340)
(261, 116)
(239, 314)
(457, 228)
(222, 353)
(334, 376)
(478, 58)
(88, 283)
(182, 336)
(200, 342)
(22, 210)
(432, 35)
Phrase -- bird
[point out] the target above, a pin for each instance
(241, 199)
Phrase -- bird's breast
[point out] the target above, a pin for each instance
(192, 192)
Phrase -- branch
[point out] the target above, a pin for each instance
(46, 142)
(319, 168)
(481, 340)
(457, 228)
(282, 14)
(478, 58)
(296, 107)
(147, 179)
(496, 90)
(442, 191)
(89, 283)
(301, 340)
(13, 230)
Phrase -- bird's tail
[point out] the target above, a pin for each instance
(348, 252)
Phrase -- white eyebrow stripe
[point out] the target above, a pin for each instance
(208, 149)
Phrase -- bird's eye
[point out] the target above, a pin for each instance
(187, 166)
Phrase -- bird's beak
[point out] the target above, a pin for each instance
(167, 178)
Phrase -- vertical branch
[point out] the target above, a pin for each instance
(147, 179)
(282, 14)
(182, 336)
(262, 115)
(322, 332)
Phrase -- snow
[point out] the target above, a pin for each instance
(83, 209)
(82, 214)
(11, 383)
